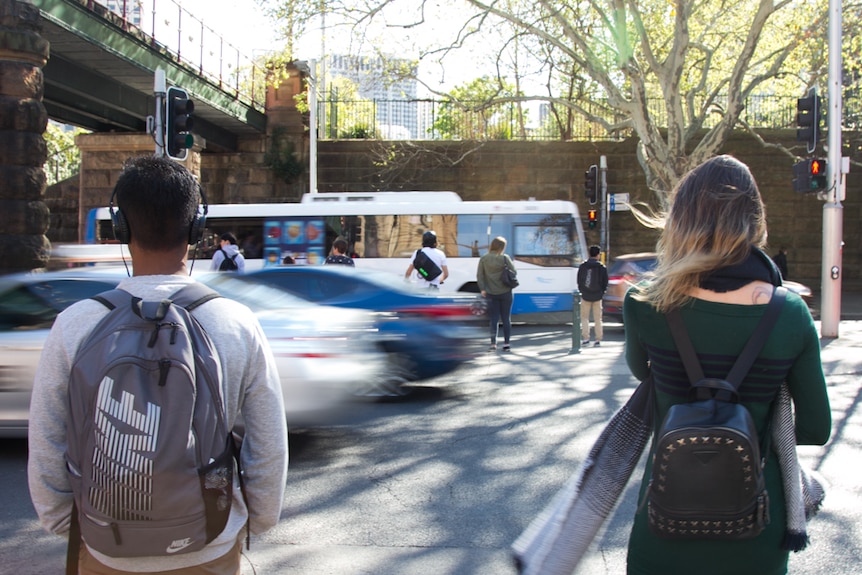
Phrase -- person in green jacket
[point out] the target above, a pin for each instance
(499, 295)
(711, 266)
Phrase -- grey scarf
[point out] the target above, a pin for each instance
(558, 538)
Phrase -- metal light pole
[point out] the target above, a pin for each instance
(312, 127)
(159, 91)
(606, 208)
(833, 211)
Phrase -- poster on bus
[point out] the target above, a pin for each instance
(297, 240)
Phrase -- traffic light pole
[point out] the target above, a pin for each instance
(312, 127)
(605, 208)
(159, 91)
(833, 211)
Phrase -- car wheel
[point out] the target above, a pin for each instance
(390, 385)
(479, 306)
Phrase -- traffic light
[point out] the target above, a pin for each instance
(591, 216)
(809, 175)
(178, 123)
(808, 120)
(591, 184)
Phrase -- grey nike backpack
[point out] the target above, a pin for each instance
(150, 457)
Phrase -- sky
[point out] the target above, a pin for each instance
(243, 24)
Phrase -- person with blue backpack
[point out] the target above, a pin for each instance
(134, 437)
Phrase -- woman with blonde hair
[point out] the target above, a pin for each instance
(498, 295)
(712, 268)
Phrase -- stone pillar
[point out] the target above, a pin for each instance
(281, 104)
(102, 159)
(24, 216)
(286, 127)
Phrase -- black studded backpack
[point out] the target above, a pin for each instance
(707, 475)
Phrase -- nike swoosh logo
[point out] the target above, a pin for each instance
(179, 545)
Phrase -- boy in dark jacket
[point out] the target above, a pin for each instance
(592, 283)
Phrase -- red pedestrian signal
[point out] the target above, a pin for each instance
(809, 175)
(592, 216)
(816, 168)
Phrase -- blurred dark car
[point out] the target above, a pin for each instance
(325, 355)
(430, 333)
(629, 269)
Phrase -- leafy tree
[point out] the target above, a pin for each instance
(674, 73)
(473, 111)
(348, 115)
(64, 157)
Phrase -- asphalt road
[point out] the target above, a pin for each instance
(444, 482)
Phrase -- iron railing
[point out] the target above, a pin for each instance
(426, 119)
(167, 26)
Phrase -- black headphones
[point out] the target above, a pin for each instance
(121, 226)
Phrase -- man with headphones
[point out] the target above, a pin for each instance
(158, 216)
(429, 248)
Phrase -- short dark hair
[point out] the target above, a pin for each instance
(227, 236)
(159, 199)
(340, 244)
(595, 251)
(429, 239)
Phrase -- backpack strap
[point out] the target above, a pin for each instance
(193, 295)
(745, 360)
(112, 299)
(684, 346)
(73, 549)
(190, 296)
(758, 338)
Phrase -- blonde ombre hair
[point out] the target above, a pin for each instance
(716, 216)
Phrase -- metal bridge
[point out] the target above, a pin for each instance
(101, 68)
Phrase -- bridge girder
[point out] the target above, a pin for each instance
(100, 76)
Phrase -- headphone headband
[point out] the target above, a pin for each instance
(197, 225)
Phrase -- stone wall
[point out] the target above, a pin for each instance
(102, 159)
(491, 170)
(62, 201)
(555, 170)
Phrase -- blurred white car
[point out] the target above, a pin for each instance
(325, 355)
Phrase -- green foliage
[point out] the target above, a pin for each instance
(64, 157)
(675, 75)
(357, 132)
(478, 110)
(282, 159)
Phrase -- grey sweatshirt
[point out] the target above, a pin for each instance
(251, 386)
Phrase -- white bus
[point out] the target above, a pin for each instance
(384, 229)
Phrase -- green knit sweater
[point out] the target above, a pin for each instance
(719, 332)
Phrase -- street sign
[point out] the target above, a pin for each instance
(619, 202)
